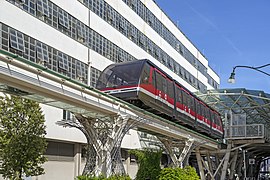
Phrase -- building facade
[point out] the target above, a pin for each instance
(79, 38)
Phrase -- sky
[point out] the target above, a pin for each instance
(228, 33)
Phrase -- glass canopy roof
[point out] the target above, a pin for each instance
(255, 104)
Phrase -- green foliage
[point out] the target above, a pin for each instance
(188, 173)
(101, 177)
(90, 177)
(119, 177)
(149, 164)
(22, 138)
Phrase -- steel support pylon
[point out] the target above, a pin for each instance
(104, 137)
(173, 150)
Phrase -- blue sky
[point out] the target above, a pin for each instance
(228, 33)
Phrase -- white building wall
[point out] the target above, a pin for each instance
(60, 170)
(152, 6)
(26, 23)
(75, 8)
(56, 132)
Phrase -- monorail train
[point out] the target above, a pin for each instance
(144, 84)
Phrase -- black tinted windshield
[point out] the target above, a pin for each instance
(116, 75)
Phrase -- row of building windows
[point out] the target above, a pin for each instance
(139, 8)
(105, 11)
(61, 20)
(29, 48)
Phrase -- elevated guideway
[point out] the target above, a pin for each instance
(33, 81)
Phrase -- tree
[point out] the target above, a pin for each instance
(22, 138)
(187, 173)
(149, 164)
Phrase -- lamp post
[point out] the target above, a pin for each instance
(258, 68)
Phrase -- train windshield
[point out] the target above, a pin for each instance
(127, 74)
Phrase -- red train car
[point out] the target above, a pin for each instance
(144, 84)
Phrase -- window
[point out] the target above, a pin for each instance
(179, 48)
(185, 98)
(67, 115)
(132, 32)
(20, 2)
(62, 61)
(142, 40)
(157, 52)
(133, 3)
(63, 18)
(81, 31)
(161, 82)
(43, 7)
(80, 71)
(95, 73)
(60, 149)
(170, 88)
(110, 14)
(177, 68)
(16, 40)
(150, 18)
(164, 59)
(108, 49)
(179, 94)
(170, 64)
(182, 71)
(186, 75)
(145, 75)
(120, 55)
(122, 24)
(30, 7)
(42, 53)
(149, 46)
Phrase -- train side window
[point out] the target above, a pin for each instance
(161, 83)
(145, 77)
(207, 114)
(153, 76)
(212, 116)
(170, 89)
(191, 103)
(197, 105)
(217, 119)
(203, 110)
(185, 98)
(179, 95)
(164, 85)
(111, 81)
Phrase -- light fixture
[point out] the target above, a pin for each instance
(258, 68)
(232, 78)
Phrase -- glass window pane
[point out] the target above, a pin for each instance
(42, 53)
(63, 18)
(62, 61)
(16, 40)
(43, 7)
(81, 31)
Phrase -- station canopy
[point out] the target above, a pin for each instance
(255, 104)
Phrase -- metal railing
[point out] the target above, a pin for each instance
(249, 131)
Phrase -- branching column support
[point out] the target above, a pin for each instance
(226, 162)
(233, 165)
(169, 146)
(200, 165)
(104, 136)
